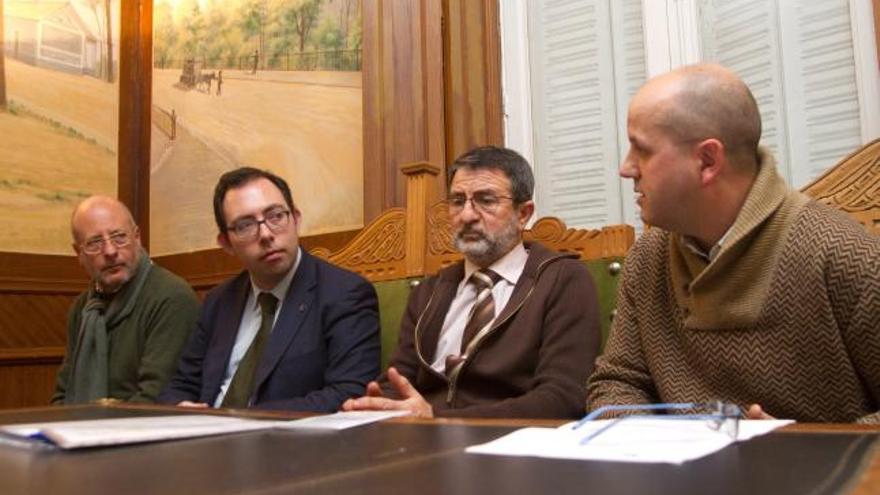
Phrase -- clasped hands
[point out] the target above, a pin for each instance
(375, 400)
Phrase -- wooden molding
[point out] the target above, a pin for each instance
(853, 186)
(378, 252)
(35, 273)
(205, 269)
(135, 97)
(877, 29)
(31, 355)
(421, 178)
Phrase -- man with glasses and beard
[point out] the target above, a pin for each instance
(511, 331)
(291, 331)
(126, 331)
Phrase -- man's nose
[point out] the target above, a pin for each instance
(109, 249)
(469, 212)
(627, 169)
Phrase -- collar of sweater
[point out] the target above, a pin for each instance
(729, 292)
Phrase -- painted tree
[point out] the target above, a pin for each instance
(254, 20)
(164, 36)
(192, 32)
(349, 11)
(301, 17)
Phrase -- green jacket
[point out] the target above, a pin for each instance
(144, 347)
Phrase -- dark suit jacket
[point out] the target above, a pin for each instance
(323, 349)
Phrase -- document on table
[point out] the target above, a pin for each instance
(646, 440)
(343, 420)
(123, 431)
(120, 431)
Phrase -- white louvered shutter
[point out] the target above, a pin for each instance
(797, 58)
(579, 102)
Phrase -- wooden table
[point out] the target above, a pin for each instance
(425, 457)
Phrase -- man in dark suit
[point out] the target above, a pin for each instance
(291, 331)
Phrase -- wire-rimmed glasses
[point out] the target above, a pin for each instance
(96, 245)
(719, 416)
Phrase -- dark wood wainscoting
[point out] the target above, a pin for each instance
(35, 294)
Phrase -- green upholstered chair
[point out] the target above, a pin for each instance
(393, 296)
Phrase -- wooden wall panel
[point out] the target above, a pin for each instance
(27, 384)
(135, 87)
(35, 294)
(403, 96)
(877, 28)
(474, 109)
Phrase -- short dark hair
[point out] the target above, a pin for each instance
(514, 166)
(239, 177)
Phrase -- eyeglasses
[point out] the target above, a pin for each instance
(248, 229)
(96, 245)
(484, 202)
(719, 416)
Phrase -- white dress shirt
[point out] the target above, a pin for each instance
(509, 267)
(250, 325)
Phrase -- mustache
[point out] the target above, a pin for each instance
(470, 231)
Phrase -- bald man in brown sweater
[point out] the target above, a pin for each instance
(745, 290)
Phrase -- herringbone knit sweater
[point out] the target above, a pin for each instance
(787, 315)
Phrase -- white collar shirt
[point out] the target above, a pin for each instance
(510, 268)
(250, 325)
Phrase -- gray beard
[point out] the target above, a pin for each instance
(488, 248)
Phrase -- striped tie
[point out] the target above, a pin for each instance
(482, 314)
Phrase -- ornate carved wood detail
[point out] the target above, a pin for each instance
(378, 252)
(552, 232)
(853, 185)
(441, 250)
(611, 241)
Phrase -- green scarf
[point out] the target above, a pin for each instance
(89, 380)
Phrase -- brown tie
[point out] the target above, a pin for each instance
(482, 313)
(241, 387)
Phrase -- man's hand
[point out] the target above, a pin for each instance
(756, 412)
(376, 401)
(195, 405)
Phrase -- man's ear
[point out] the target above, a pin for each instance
(297, 219)
(710, 153)
(223, 242)
(525, 212)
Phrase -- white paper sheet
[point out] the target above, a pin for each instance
(343, 420)
(117, 431)
(634, 440)
(122, 431)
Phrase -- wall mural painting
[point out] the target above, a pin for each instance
(273, 84)
(58, 116)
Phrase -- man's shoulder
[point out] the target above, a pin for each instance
(823, 231)
(828, 224)
(649, 253)
(329, 273)
(162, 278)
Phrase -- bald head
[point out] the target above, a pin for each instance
(97, 206)
(106, 241)
(705, 101)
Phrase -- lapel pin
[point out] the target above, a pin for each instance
(302, 307)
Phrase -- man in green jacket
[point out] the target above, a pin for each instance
(126, 331)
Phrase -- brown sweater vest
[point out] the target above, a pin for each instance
(786, 316)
